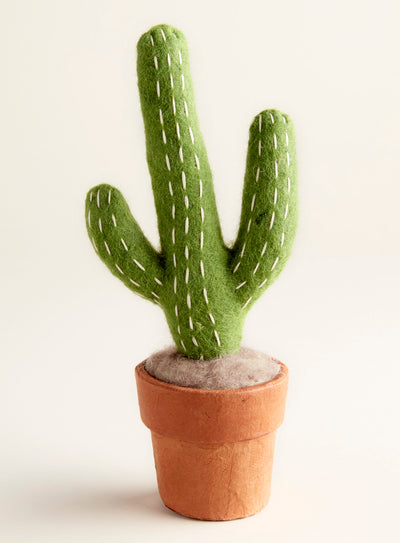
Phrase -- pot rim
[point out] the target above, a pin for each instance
(281, 376)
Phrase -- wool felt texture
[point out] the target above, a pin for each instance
(245, 368)
(204, 287)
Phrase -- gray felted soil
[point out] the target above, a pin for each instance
(246, 368)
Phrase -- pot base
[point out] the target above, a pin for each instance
(214, 481)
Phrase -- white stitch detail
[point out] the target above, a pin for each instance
(183, 81)
(188, 301)
(282, 238)
(151, 39)
(191, 134)
(201, 239)
(176, 310)
(217, 338)
(186, 108)
(211, 318)
(155, 295)
(183, 180)
(202, 268)
(187, 276)
(202, 214)
(124, 244)
(170, 188)
(173, 211)
(173, 105)
(235, 269)
(252, 202)
(109, 196)
(194, 341)
(181, 154)
(119, 269)
(100, 225)
(178, 132)
(272, 118)
(98, 198)
(186, 252)
(287, 139)
(94, 245)
(205, 295)
(259, 122)
(257, 174)
(263, 283)
(197, 161)
(156, 62)
(134, 282)
(243, 250)
(138, 264)
(175, 285)
(286, 210)
(275, 195)
(107, 248)
(247, 303)
(163, 35)
(276, 168)
(264, 248)
(173, 235)
(174, 260)
(256, 268)
(157, 281)
(259, 148)
(88, 219)
(180, 56)
(183, 345)
(190, 323)
(158, 89)
(271, 224)
(186, 225)
(249, 226)
(169, 60)
(241, 285)
(275, 263)
(275, 142)
(164, 136)
(161, 117)
(90, 196)
(167, 161)
(201, 188)
(114, 220)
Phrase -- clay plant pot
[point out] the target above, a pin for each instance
(213, 449)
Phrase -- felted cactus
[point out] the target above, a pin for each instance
(204, 287)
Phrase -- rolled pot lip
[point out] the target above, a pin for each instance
(141, 372)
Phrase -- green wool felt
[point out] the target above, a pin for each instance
(204, 287)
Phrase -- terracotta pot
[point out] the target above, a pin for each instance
(213, 449)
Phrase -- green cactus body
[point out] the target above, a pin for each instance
(204, 287)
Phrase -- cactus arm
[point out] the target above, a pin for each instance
(269, 207)
(121, 244)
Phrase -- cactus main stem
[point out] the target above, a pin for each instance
(204, 288)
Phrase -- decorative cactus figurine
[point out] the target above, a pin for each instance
(204, 287)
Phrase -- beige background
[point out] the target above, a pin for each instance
(76, 461)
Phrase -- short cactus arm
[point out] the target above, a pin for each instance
(121, 244)
(269, 207)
